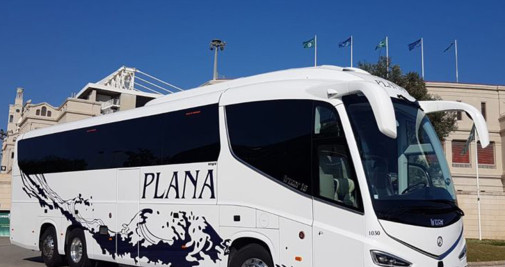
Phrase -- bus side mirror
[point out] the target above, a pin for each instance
(379, 99)
(475, 115)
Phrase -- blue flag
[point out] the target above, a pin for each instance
(414, 44)
(449, 47)
(345, 43)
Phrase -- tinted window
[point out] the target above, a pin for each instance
(275, 138)
(185, 136)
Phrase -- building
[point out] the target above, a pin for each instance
(124, 89)
(490, 100)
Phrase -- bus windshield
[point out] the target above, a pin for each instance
(407, 175)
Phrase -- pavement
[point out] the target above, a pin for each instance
(13, 256)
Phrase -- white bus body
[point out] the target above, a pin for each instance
(320, 166)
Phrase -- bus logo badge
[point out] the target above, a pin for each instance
(437, 222)
(440, 241)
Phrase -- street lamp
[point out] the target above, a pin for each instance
(215, 45)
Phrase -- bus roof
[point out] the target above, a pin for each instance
(326, 73)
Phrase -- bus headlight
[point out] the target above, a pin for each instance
(462, 254)
(385, 259)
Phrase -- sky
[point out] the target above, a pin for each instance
(54, 48)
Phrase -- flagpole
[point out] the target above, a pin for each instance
(456, 56)
(315, 50)
(478, 186)
(351, 50)
(422, 58)
(387, 57)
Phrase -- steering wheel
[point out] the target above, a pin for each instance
(414, 186)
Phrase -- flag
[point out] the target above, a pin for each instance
(310, 43)
(345, 43)
(381, 44)
(449, 47)
(468, 141)
(414, 44)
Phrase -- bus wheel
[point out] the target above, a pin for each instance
(77, 255)
(252, 255)
(49, 248)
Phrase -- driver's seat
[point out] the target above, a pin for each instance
(381, 182)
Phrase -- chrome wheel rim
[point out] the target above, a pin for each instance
(254, 262)
(76, 250)
(48, 247)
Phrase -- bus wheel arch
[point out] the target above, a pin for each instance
(75, 248)
(246, 249)
(48, 245)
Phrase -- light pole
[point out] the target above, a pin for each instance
(215, 45)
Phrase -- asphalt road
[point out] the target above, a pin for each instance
(13, 256)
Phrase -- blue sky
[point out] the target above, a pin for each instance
(53, 48)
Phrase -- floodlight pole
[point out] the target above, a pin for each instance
(215, 45)
(214, 76)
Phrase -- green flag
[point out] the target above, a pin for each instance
(310, 43)
(381, 44)
(471, 137)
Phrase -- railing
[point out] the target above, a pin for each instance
(133, 79)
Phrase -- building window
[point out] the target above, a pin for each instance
(486, 155)
(37, 112)
(460, 155)
(17, 110)
(49, 113)
(483, 109)
(459, 115)
(44, 110)
(11, 118)
(12, 155)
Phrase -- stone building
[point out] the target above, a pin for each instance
(490, 100)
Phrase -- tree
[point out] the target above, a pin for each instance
(443, 122)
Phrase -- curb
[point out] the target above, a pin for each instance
(487, 263)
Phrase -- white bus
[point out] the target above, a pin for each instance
(322, 166)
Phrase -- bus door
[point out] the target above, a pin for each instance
(128, 191)
(337, 206)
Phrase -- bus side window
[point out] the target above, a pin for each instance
(274, 138)
(334, 172)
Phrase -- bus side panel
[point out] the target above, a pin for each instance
(83, 199)
(181, 235)
(24, 214)
(178, 216)
(296, 243)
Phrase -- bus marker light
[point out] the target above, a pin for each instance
(301, 235)
(298, 258)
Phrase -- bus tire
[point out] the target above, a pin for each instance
(49, 248)
(252, 255)
(77, 255)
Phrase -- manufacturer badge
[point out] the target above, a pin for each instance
(440, 241)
